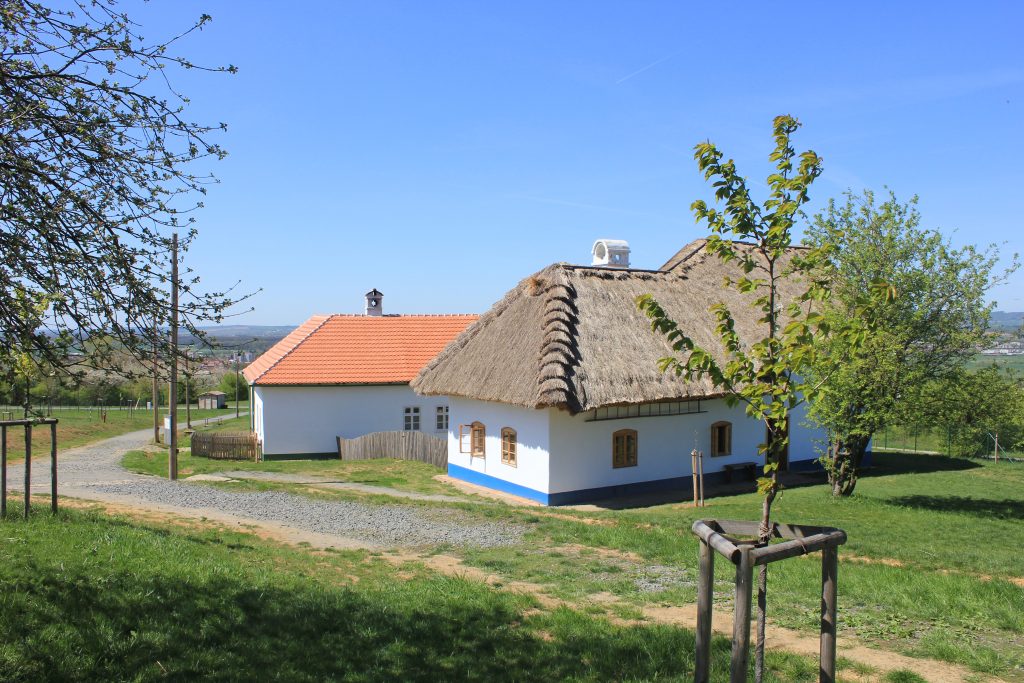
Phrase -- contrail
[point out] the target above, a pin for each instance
(643, 69)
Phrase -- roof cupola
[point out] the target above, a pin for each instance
(611, 253)
(374, 302)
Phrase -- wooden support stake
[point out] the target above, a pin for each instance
(693, 475)
(705, 603)
(700, 475)
(28, 468)
(53, 467)
(3, 470)
(829, 591)
(741, 618)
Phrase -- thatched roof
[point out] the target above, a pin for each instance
(572, 336)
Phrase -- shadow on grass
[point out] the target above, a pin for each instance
(207, 618)
(884, 464)
(1007, 509)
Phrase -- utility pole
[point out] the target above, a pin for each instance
(172, 460)
(238, 358)
(188, 400)
(156, 382)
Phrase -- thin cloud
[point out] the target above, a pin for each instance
(645, 68)
(580, 205)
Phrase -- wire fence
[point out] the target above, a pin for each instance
(953, 441)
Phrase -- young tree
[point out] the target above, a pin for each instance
(768, 374)
(926, 332)
(96, 169)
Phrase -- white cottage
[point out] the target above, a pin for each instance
(348, 375)
(555, 393)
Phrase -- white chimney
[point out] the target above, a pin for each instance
(374, 302)
(611, 253)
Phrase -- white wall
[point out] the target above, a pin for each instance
(531, 427)
(581, 451)
(306, 419)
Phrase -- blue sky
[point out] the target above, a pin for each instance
(442, 151)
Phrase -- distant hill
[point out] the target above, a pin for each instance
(1007, 320)
(230, 338)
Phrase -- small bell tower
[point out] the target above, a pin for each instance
(374, 302)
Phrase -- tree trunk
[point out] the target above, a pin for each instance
(764, 536)
(844, 463)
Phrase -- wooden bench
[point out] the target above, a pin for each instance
(750, 467)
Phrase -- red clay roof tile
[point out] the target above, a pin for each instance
(356, 349)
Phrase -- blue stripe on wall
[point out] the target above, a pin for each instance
(481, 479)
(601, 492)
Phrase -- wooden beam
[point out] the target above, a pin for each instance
(53, 467)
(829, 594)
(720, 543)
(798, 546)
(28, 467)
(741, 619)
(705, 603)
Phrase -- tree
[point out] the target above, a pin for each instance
(227, 385)
(97, 165)
(976, 407)
(767, 374)
(925, 332)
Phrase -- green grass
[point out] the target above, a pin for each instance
(953, 527)
(403, 475)
(82, 427)
(88, 597)
(1015, 363)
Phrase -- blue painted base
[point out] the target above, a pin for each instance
(480, 479)
(600, 492)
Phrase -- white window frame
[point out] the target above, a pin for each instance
(412, 419)
(441, 419)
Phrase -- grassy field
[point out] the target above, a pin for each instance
(1010, 362)
(932, 567)
(81, 427)
(88, 597)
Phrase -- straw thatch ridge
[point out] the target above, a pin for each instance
(572, 336)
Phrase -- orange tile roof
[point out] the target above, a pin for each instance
(357, 349)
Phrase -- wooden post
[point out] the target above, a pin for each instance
(156, 383)
(741, 618)
(700, 475)
(829, 591)
(53, 467)
(705, 603)
(172, 459)
(28, 468)
(3, 470)
(693, 473)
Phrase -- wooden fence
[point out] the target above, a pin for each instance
(401, 445)
(226, 445)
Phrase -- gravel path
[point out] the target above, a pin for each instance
(94, 472)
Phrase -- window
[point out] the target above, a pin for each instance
(477, 440)
(624, 448)
(442, 419)
(721, 439)
(508, 446)
(412, 419)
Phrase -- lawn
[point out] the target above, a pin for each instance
(932, 566)
(78, 427)
(84, 596)
(416, 477)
